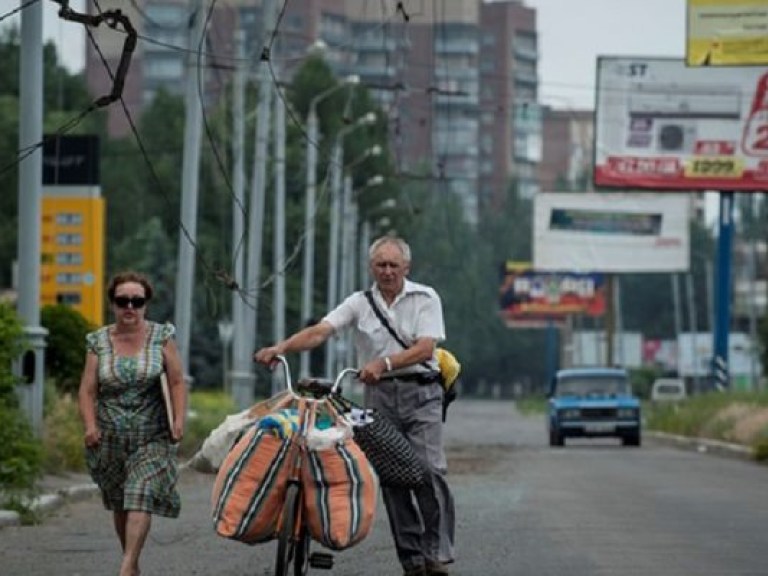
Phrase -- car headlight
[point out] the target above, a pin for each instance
(626, 413)
(570, 414)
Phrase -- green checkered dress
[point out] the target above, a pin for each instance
(135, 462)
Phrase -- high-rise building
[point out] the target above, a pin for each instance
(457, 78)
(567, 151)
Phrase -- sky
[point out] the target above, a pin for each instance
(572, 33)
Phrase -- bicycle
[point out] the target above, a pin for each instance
(293, 542)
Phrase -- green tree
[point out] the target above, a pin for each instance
(65, 345)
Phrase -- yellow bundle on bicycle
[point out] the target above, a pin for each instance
(250, 487)
(340, 490)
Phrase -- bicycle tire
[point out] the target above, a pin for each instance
(286, 540)
(301, 554)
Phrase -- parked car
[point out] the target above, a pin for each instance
(668, 390)
(593, 402)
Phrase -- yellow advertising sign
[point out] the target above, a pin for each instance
(727, 33)
(72, 253)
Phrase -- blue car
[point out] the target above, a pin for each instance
(591, 403)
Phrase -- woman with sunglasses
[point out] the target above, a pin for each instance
(129, 442)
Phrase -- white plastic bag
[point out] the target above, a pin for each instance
(219, 441)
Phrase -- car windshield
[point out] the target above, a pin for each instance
(591, 386)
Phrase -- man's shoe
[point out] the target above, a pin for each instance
(417, 571)
(436, 569)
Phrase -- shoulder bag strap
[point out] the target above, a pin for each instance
(385, 323)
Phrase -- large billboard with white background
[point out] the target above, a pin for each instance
(662, 125)
(611, 232)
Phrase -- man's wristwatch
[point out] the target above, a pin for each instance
(388, 363)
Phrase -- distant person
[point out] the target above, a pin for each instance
(129, 443)
(401, 388)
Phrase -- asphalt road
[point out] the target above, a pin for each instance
(593, 508)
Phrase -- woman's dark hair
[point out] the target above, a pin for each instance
(129, 276)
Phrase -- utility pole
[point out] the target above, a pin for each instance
(337, 159)
(185, 275)
(690, 296)
(676, 315)
(239, 352)
(243, 387)
(279, 231)
(313, 138)
(30, 198)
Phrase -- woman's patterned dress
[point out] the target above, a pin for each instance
(134, 465)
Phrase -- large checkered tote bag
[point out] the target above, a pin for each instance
(388, 451)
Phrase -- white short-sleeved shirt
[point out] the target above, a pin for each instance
(416, 312)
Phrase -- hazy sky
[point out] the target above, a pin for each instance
(572, 33)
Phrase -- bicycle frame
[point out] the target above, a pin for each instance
(293, 542)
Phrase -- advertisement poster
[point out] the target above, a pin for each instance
(727, 33)
(532, 299)
(611, 232)
(662, 125)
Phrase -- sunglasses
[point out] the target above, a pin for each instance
(135, 302)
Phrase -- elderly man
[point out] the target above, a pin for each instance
(401, 383)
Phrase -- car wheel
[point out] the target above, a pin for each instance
(556, 438)
(631, 440)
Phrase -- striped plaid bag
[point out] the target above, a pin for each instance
(340, 491)
(250, 486)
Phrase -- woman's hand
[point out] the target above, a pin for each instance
(177, 433)
(92, 437)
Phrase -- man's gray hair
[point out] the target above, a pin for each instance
(397, 241)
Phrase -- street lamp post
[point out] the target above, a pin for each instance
(309, 216)
(348, 243)
(226, 331)
(337, 159)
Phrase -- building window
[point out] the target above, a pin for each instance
(69, 258)
(164, 68)
(69, 219)
(65, 278)
(167, 15)
(69, 239)
(68, 298)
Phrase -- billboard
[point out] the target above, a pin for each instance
(72, 250)
(661, 125)
(727, 33)
(611, 232)
(532, 299)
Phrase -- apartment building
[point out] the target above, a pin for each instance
(567, 151)
(457, 78)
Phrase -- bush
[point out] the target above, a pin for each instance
(63, 437)
(20, 452)
(65, 352)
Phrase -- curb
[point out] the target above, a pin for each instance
(51, 501)
(704, 445)
(46, 503)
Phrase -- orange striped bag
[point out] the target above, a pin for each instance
(340, 491)
(250, 486)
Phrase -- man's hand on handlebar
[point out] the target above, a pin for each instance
(267, 356)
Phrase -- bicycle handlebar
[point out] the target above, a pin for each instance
(289, 383)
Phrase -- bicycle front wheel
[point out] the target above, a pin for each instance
(292, 543)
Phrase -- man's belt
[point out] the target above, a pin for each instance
(420, 378)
